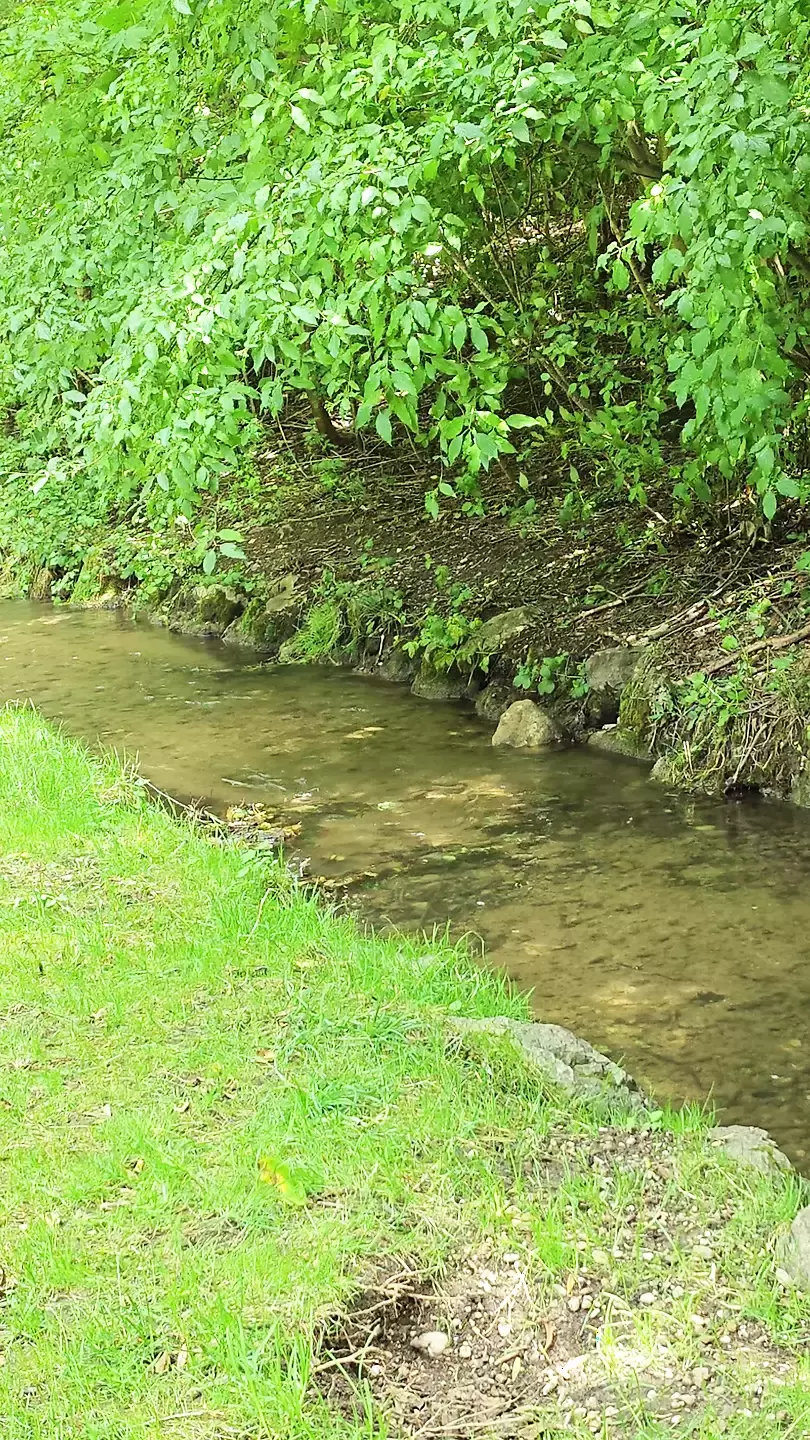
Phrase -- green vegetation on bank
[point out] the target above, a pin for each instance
(549, 259)
(224, 1112)
(451, 222)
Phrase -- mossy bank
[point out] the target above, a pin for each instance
(310, 557)
(268, 1175)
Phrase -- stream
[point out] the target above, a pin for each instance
(668, 931)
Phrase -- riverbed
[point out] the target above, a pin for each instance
(671, 932)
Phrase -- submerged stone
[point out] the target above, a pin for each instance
(562, 1058)
(526, 726)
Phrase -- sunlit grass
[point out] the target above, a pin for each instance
(173, 1012)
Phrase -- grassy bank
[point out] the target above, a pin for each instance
(245, 1159)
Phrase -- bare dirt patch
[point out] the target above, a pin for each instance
(495, 1347)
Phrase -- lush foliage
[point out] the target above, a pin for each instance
(429, 214)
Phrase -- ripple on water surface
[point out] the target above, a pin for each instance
(669, 931)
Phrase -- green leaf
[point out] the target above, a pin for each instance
(459, 334)
(288, 1185)
(769, 504)
(382, 424)
(620, 275)
(233, 552)
(521, 422)
(300, 119)
(209, 562)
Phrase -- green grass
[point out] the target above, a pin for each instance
(173, 1012)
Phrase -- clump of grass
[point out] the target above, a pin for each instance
(749, 727)
(318, 637)
(221, 1105)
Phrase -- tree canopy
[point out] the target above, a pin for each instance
(413, 210)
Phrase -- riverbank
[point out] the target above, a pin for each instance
(252, 1155)
(306, 555)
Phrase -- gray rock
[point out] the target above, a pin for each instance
(432, 685)
(562, 1058)
(207, 610)
(218, 604)
(617, 741)
(526, 726)
(800, 790)
(607, 673)
(660, 771)
(397, 666)
(494, 699)
(793, 1251)
(495, 632)
(751, 1146)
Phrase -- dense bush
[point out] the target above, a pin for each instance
(412, 210)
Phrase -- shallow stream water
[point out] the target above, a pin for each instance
(670, 932)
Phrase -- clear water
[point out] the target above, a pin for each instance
(669, 932)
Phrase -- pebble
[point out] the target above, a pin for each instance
(700, 1375)
(574, 1304)
(504, 1329)
(432, 1343)
(648, 1298)
(586, 1302)
(465, 1351)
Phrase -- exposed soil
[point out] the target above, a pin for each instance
(491, 1349)
(614, 576)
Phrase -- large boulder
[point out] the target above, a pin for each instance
(751, 1146)
(494, 633)
(617, 741)
(793, 1251)
(562, 1058)
(608, 672)
(526, 726)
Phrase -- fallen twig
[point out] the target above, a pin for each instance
(776, 642)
